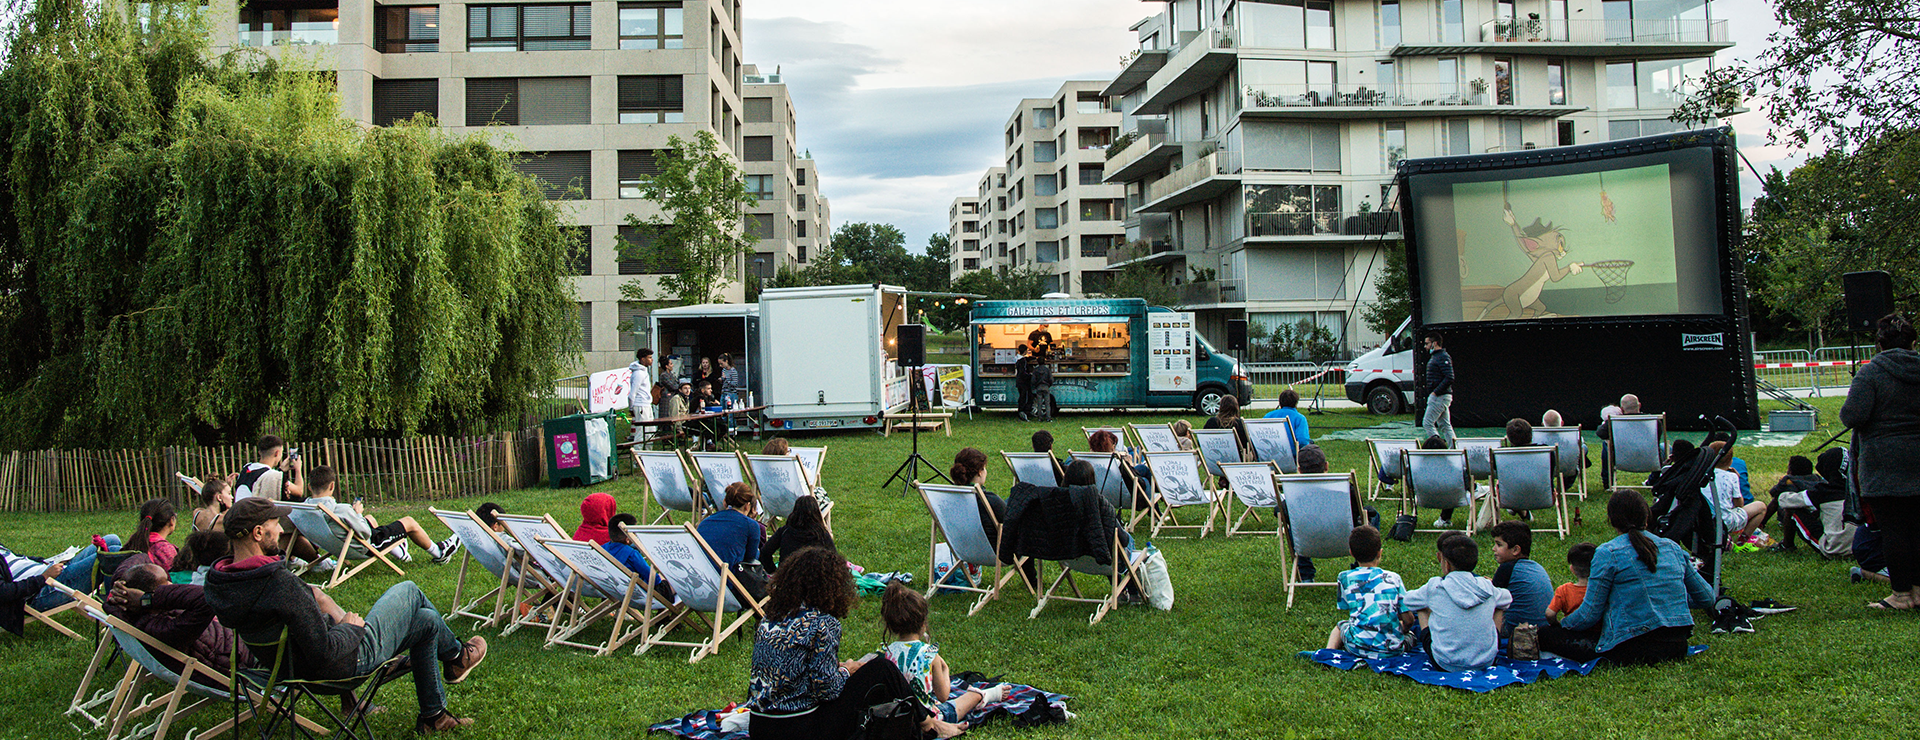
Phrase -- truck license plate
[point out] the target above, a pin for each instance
(822, 423)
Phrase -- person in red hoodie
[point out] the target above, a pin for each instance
(595, 512)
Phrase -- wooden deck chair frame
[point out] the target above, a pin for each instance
(1557, 496)
(1258, 429)
(1141, 432)
(617, 601)
(716, 495)
(1409, 503)
(47, 617)
(279, 695)
(1609, 448)
(1103, 466)
(1059, 473)
(476, 535)
(1479, 454)
(86, 701)
(1255, 486)
(1165, 508)
(1381, 452)
(988, 587)
(1202, 436)
(731, 588)
(817, 472)
(341, 571)
(1573, 456)
(761, 466)
(533, 577)
(696, 496)
(1116, 582)
(1292, 571)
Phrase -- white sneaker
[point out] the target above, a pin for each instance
(1442, 523)
(446, 548)
(326, 565)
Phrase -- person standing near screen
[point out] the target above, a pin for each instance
(1439, 418)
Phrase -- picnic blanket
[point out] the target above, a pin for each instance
(705, 724)
(1503, 672)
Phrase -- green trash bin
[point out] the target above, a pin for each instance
(580, 449)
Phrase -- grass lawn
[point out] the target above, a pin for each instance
(1221, 663)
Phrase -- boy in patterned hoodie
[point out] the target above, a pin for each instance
(1371, 595)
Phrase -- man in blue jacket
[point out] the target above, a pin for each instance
(1439, 419)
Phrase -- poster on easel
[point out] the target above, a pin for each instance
(608, 389)
(951, 384)
(1170, 362)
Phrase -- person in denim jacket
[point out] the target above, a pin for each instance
(1638, 592)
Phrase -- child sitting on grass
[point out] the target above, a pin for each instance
(1568, 596)
(1459, 612)
(904, 612)
(1371, 595)
(1520, 575)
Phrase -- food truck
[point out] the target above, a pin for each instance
(1107, 353)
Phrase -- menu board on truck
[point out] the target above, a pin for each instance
(1170, 365)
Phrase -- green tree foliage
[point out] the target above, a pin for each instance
(1138, 280)
(698, 232)
(864, 252)
(997, 284)
(1392, 292)
(194, 246)
(1299, 341)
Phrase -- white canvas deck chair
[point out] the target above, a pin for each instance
(1180, 481)
(782, 480)
(1479, 454)
(1154, 437)
(1253, 485)
(480, 544)
(191, 688)
(814, 459)
(623, 595)
(955, 521)
(1118, 573)
(1573, 456)
(1524, 480)
(717, 470)
(1637, 444)
(1038, 468)
(541, 574)
(1322, 510)
(1436, 479)
(1386, 461)
(1111, 476)
(1218, 446)
(710, 592)
(668, 485)
(1272, 441)
(316, 523)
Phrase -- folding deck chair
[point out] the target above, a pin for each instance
(316, 523)
(708, 590)
(1119, 434)
(954, 513)
(1322, 510)
(209, 687)
(597, 574)
(1524, 480)
(1385, 460)
(1154, 437)
(1116, 576)
(484, 546)
(814, 459)
(86, 700)
(668, 484)
(1253, 485)
(1436, 479)
(270, 688)
(1111, 475)
(1038, 468)
(104, 564)
(1179, 481)
(1272, 441)
(717, 470)
(1637, 444)
(540, 572)
(1479, 457)
(1573, 456)
(782, 480)
(1218, 446)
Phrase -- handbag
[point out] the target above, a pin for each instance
(752, 577)
(659, 393)
(1402, 528)
(895, 719)
(1525, 642)
(1155, 581)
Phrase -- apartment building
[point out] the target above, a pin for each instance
(590, 91)
(1051, 208)
(1260, 137)
(790, 218)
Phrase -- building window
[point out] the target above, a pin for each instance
(800, 201)
(1291, 147)
(971, 227)
(561, 175)
(760, 187)
(1642, 127)
(632, 318)
(636, 165)
(651, 27)
(1664, 83)
(800, 230)
(1452, 29)
(757, 110)
(527, 101)
(800, 177)
(1287, 24)
(1512, 134)
(1096, 138)
(294, 24)
(1097, 245)
(1389, 23)
(759, 225)
(1563, 133)
(1388, 79)
(800, 250)
(1448, 72)
(652, 99)
(970, 263)
(1043, 117)
(1457, 140)
(638, 256)
(1394, 144)
(757, 149)
(1048, 184)
(1089, 103)
(580, 252)
(586, 328)
(1502, 81)
(1275, 83)
(1046, 252)
(1045, 151)
(1556, 82)
(1092, 174)
(405, 30)
(1293, 210)
(1621, 92)
(529, 27)
(1046, 218)
(1100, 209)
(398, 100)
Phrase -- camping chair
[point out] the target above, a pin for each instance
(144, 663)
(1252, 483)
(316, 523)
(1573, 456)
(1037, 468)
(1273, 442)
(1436, 479)
(1118, 572)
(955, 522)
(1218, 446)
(782, 480)
(1111, 475)
(539, 571)
(1637, 444)
(1479, 461)
(717, 470)
(668, 485)
(596, 573)
(1180, 480)
(1322, 510)
(104, 564)
(1386, 461)
(484, 546)
(1154, 437)
(271, 687)
(814, 459)
(708, 590)
(1524, 480)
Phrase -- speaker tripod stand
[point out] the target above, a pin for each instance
(909, 471)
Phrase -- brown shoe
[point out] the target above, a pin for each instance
(474, 651)
(441, 722)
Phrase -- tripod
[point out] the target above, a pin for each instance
(909, 470)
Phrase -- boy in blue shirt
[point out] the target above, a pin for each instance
(1371, 595)
(1532, 589)
(1289, 402)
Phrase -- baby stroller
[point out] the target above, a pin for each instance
(1040, 396)
(1685, 512)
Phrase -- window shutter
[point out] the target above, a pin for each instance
(558, 171)
(493, 100)
(554, 101)
(398, 100)
(758, 148)
(641, 258)
(759, 110)
(651, 92)
(586, 327)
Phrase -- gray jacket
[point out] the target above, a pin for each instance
(1462, 606)
(1883, 408)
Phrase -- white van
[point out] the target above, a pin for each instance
(1382, 379)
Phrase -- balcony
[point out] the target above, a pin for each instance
(1146, 253)
(1645, 39)
(1137, 72)
(1404, 100)
(1145, 155)
(1212, 293)
(1322, 224)
(1192, 68)
(1203, 179)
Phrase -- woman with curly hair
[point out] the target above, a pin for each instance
(797, 689)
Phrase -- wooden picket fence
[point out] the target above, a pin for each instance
(378, 470)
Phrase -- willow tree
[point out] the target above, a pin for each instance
(194, 246)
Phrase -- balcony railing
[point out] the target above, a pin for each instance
(302, 34)
(1402, 95)
(1655, 30)
(1323, 223)
(1216, 163)
(1212, 292)
(1136, 250)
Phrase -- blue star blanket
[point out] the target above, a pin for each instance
(1503, 672)
(705, 724)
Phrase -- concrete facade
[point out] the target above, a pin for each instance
(965, 234)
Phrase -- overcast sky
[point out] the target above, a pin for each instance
(901, 102)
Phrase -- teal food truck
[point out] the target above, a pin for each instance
(1107, 353)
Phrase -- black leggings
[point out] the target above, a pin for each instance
(1898, 519)
(877, 681)
(1659, 646)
